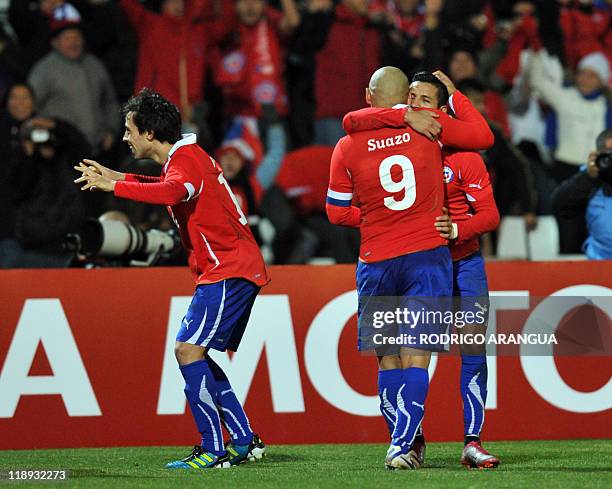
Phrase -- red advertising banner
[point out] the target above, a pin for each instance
(86, 359)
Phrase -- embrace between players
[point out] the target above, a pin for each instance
(403, 216)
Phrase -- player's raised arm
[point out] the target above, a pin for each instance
(482, 137)
(475, 135)
(340, 192)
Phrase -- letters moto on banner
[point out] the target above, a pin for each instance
(86, 359)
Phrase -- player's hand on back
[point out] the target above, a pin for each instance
(424, 122)
(446, 81)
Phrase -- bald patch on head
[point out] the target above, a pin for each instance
(388, 87)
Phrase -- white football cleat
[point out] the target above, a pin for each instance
(397, 459)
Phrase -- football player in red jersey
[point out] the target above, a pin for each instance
(472, 212)
(395, 172)
(224, 259)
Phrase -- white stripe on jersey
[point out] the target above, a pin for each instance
(450, 103)
(191, 193)
(212, 254)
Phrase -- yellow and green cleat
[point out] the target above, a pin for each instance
(199, 459)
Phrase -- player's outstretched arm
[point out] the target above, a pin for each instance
(115, 175)
(169, 192)
(172, 191)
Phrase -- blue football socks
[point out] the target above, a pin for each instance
(389, 382)
(201, 389)
(231, 411)
(473, 392)
(411, 397)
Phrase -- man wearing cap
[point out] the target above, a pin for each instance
(73, 85)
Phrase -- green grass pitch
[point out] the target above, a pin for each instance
(565, 464)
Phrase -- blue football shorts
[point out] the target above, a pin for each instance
(420, 282)
(218, 314)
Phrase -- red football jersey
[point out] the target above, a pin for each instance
(395, 176)
(213, 228)
(470, 200)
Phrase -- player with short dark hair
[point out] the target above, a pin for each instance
(424, 77)
(396, 175)
(150, 112)
(224, 259)
(472, 213)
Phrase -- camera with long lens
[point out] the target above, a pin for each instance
(117, 239)
(603, 162)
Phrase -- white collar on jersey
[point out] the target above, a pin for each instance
(189, 138)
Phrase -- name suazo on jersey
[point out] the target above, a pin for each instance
(397, 185)
(213, 229)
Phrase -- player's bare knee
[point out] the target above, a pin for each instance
(411, 357)
(389, 362)
(186, 353)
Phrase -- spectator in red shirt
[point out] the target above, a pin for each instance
(173, 49)
(344, 65)
(251, 68)
(585, 27)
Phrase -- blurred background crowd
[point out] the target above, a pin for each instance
(265, 86)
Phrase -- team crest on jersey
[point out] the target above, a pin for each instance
(449, 176)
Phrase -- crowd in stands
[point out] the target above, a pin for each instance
(265, 85)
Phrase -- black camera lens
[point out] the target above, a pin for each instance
(604, 164)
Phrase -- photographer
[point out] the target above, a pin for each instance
(40, 182)
(590, 192)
